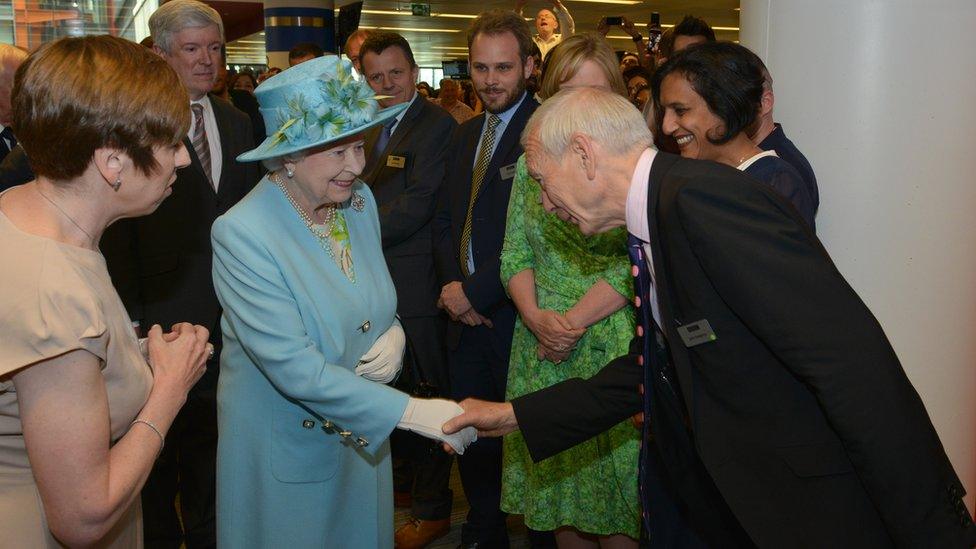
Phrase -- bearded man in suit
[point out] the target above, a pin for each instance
(780, 414)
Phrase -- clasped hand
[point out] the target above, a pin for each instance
(179, 357)
(382, 362)
(556, 334)
(456, 304)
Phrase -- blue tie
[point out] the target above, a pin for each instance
(382, 142)
(673, 461)
(646, 330)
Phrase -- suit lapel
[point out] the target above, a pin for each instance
(372, 136)
(509, 140)
(663, 162)
(226, 150)
(406, 123)
(403, 128)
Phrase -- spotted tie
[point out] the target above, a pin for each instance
(480, 167)
(200, 144)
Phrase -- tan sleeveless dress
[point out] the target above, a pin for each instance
(56, 298)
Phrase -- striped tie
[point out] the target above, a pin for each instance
(480, 167)
(200, 143)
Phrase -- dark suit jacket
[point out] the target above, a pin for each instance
(785, 149)
(161, 263)
(483, 288)
(407, 198)
(246, 103)
(15, 169)
(800, 410)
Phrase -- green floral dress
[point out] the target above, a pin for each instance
(593, 486)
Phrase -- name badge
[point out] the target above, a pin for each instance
(395, 161)
(696, 333)
(507, 172)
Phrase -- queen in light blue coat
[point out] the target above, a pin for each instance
(309, 331)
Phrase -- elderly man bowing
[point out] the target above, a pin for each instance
(781, 415)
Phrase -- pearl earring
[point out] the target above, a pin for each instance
(117, 184)
(290, 172)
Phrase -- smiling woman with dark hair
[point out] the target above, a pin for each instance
(708, 96)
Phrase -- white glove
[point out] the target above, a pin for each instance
(382, 362)
(427, 416)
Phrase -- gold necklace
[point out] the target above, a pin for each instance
(64, 213)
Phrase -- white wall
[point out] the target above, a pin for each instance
(881, 97)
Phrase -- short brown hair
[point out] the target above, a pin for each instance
(75, 95)
(565, 60)
(499, 21)
(378, 42)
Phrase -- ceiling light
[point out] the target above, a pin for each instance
(625, 2)
(409, 13)
(407, 29)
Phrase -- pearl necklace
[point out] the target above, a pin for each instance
(324, 237)
(330, 210)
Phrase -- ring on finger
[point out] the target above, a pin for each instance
(210, 351)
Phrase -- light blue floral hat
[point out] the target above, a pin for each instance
(314, 103)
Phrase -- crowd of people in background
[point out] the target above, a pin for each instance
(245, 307)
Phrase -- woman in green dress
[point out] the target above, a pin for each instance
(572, 294)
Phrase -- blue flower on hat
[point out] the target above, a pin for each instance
(314, 103)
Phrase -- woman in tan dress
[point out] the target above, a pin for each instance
(82, 413)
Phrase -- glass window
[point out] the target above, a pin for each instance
(30, 23)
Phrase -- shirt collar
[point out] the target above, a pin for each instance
(554, 37)
(203, 101)
(507, 115)
(636, 213)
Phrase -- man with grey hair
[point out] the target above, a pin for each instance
(10, 58)
(161, 266)
(780, 414)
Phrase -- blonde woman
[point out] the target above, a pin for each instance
(572, 296)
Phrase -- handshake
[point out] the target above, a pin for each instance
(382, 363)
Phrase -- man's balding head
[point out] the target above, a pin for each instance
(582, 145)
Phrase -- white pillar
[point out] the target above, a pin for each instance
(880, 95)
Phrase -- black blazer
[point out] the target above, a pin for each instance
(483, 288)
(407, 198)
(15, 169)
(161, 263)
(800, 410)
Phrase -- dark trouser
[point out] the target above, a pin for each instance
(187, 465)
(479, 369)
(420, 466)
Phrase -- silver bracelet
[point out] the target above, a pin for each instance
(152, 426)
